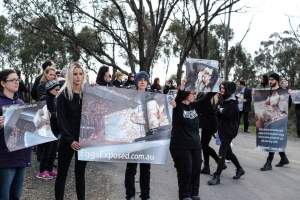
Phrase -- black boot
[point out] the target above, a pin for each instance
(239, 172)
(215, 180)
(283, 162)
(196, 198)
(267, 166)
(205, 170)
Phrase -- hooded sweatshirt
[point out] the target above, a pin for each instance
(20, 158)
(228, 113)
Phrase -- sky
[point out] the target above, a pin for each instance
(267, 16)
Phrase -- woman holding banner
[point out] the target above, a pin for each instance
(69, 102)
(12, 164)
(141, 81)
(185, 145)
(228, 115)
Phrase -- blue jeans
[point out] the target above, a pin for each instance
(11, 181)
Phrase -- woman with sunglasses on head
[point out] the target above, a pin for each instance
(48, 75)
(69, 103)
(185, 145)
(12, 164)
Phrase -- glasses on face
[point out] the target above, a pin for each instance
(57, 89)
(15, 80)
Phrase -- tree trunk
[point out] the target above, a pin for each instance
(205, 49)
(227, 32)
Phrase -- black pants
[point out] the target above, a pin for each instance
(207, 150)
(65, 154)
(225, 151)
(245, 115)
(188, 166)
(144, 180)
(47, 156)
(297, 110)
(271, 156)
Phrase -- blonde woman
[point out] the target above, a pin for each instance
(48, 75)
(69, 103)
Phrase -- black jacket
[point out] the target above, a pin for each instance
(118, 84)
(68, 117)
(228, 116)
(208, 117)
(34, 89)
(51, 106)
(248, 98)
(185, 123)
(41, 92)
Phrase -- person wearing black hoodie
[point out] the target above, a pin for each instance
(185, 145)
(228, 116)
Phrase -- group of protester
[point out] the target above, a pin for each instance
(212, 112)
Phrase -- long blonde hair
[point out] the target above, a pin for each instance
(47, 70)
(67, 88)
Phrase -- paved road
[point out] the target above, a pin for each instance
(278, 184)
(105, 181)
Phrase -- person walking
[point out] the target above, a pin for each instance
(228, 116)
(274, 80)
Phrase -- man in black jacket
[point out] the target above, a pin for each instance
(245, 99)
(228, 115)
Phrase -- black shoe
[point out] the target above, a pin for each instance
(224, 166)
(196, 198)
(214, 181)
(205, 170)
(266, 167)
(239, 172)
(282, 163)
(130, 198)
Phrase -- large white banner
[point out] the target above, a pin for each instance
(122, 125)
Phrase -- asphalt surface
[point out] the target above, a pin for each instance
(105, 181)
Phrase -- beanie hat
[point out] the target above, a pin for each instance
(275, 76)
(51, 85)
(141, 75)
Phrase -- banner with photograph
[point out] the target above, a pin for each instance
(124, 125)
(202, 75)
(26, 126)
(271, 115)
(295, 94)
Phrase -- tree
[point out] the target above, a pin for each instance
(195, 19)
(281, 53)
(112, 23)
